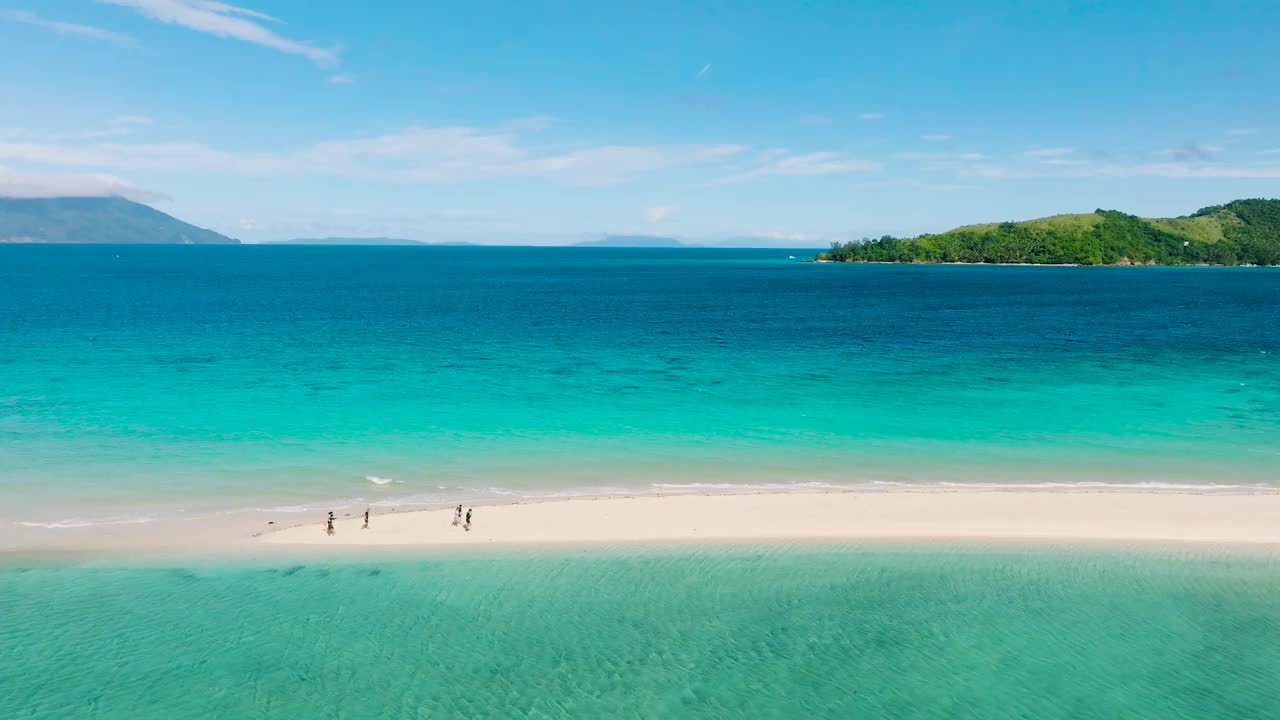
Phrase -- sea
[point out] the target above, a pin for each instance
(145, 382)
(729, 633)
(192, 384)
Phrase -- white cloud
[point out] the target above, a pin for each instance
(872, 116)
(659, 213)
(127, 121)
(769, 154)
(1079, 169)
(1274, 151)
(816, 163)
(533, 123)
(415, 154)
(935, 137)
(1049, 152)
(139, 156)
(1189, 152)
(1241, 131)
(66, 28)
(1183, 170)
(226, 9)
(705, 69)
(114, 127)
(717, 152)
(1063, 161)
(228, 21)
(342, 79)
(988, 171)
(26, 184)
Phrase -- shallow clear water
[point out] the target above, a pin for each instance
(717, 633)
(140, 381)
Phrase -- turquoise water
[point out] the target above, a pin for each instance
(748, 632)
(143, 382)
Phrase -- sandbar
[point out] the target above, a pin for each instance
(1250, 518)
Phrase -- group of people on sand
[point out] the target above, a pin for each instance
(328, 524)
(458, 519)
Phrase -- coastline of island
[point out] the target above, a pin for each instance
(1239, 233)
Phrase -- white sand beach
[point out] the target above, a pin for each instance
(963, 514)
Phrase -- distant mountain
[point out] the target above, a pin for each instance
(96, 220)
(363, 241)
(634, 241)
(1241, 232)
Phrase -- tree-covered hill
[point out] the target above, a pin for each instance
(1242, 232)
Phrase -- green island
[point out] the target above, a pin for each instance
(1241, 232)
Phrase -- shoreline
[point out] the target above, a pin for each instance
(956, 514)
(802, 516)
(1018, 264)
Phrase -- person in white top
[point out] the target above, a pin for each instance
(457, 516)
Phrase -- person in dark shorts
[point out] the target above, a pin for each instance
(366, 518)
(467, 526)
(328, 526)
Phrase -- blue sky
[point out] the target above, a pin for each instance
(798, 123)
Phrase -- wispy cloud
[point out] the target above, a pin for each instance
(415, 154)
(114, 127)
(659, 214)
(1192, 152)
(1048, 152)
(1241, 131)
(1273, 151)
(705, 69)
(342, 78)
(226, 9)
(816, 163)
(1184, 170)
(935, 137)
(66, 28)
(991, 171)
(1070, 168)
(27, 184)
(228, 21)
(129, 121)
(533, 123)
(872, 116)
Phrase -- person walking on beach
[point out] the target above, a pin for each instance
(457, 516)
(328, 526)
(366, 519)
(467, 527)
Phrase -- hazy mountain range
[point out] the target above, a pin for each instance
(97, 220)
